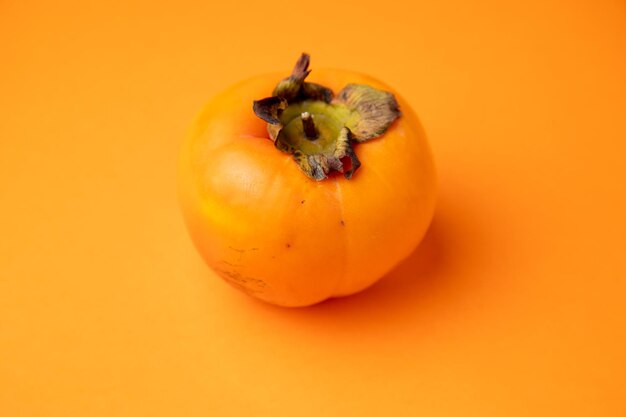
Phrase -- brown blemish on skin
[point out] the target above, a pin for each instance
(246, 284)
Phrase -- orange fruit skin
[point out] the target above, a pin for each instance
(277, 235)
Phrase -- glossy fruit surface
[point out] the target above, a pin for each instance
(277, 234)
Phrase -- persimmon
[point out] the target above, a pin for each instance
(295, 191)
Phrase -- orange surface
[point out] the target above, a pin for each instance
(513, 306)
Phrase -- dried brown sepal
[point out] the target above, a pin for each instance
(301, 69)
(344, 148)
(373, 110)
(356, 164)
(343, 143)
(358, 113)
(270, 109)
(289, 88)
(313, 91)
(309, 166)
(318, 166)
(293, 88)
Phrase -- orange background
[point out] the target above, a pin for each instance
(513, 306)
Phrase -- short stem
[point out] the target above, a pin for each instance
(309, 126)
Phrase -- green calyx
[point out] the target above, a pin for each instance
(319, 129)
